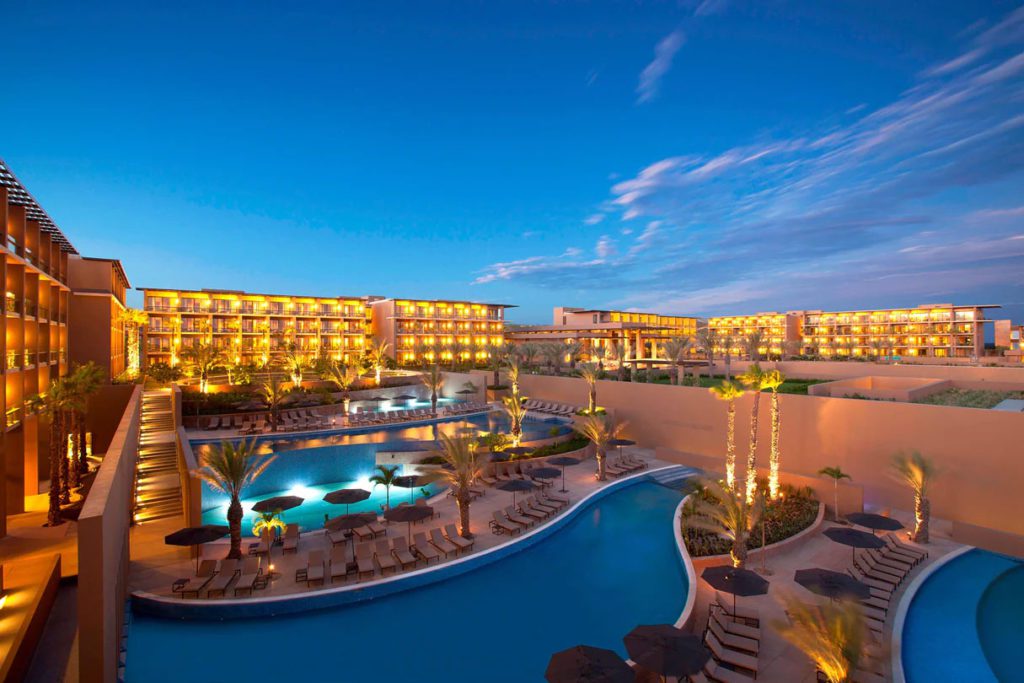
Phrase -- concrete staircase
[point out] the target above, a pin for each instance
(675, 477)
(157, 484)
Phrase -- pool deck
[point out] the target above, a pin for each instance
(155, 566)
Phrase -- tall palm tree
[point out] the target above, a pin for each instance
(675, 350)
(385, 477)
(433, 380)
(378, 357)
(572, 351)
(727, 344)
(707, 341)
(294, 363)
(599, 431)
(229, 468)
(772, 380)
(86, 380)
(835, 474)
(513, 374)
(274, 394)
(590, 374)
(51, 406)
(203, 359)
(516, 412)
(497, 355)
(833, 635)
(554, 354)
(917, 472)
(729, 392)
(752, 344)
(727, 513)
(753, 379)
(344, 378)
(528, 352)
(464, 467)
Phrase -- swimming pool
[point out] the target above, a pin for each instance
(965, 623)
(613, 566)
(312, 465)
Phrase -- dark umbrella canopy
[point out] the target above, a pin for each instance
(742, 582)
(855, 539)
(277, 503)
(409, 514)
(414, 481)
(346, 496)
(869, 520)
(516, 485)
(466, 391)
(348, 522)
(564, 461)
(622, 442)
(834, 585)
(545, 472)
(197, 535)
(586, 664)
(404, 397)
(666, 650)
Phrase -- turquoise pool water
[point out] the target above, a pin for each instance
(310, 466)
(613, 566)
(965, 622)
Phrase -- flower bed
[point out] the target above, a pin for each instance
(783, 518)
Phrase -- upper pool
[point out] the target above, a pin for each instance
(965, 622)
(613, 566)
(312, 465)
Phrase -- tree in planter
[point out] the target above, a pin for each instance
(599, 431)
(753, 379)
(239, 373)
(917, 472)
(772, 380)
(675, 350)
(202, 359)
(377, 354)
(294, 363)
(727, 513)
(513, 374)
(464, 466)
(516, 412)
(86, 380)
(434, 381)
(729, 392)
(589, 373)
(385, 477)
(344, 378)
(833, 635)
(50, 406)
(274, 394)
(271, 521)
(835, 474)
(229, 468)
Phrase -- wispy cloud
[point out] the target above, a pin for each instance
(858, 210)
(664, 52)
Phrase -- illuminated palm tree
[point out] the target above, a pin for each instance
(463, 468)
(51, 406)
(385, 476)
(772, 380)
(294, 363)
(752, 344)
(727, 513)
(554, 354)
(675, 350)
(203, 359)
(229, 468)
(729, 392)
(599, 431)
(572, 351)
(274, 394)
(496, 358)
(433, 379)
(344, 378)
(528, 352)
(86, 380)
(513, 374)
(835, 474)
(377, 354)
(134, 320)
(516, 412)
(753, 379)
(707, 341)
(589, 373)
(833, 635)
(917, 472)
(615, 352)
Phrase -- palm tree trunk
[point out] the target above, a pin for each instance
(462, 500)
(593, 398)
(62, 449)
(728, 369)
(83, 456)
(922, 516)
(773, 463)
(752, 454)
(601, 476)
(730, 447)
(53, 513)
(739, 551)
(433, 402)
(836, 492)
(76, 478)
(235, 527)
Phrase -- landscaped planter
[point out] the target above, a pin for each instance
(699, 562)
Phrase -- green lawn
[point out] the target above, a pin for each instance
(970, 398)
(790, 386)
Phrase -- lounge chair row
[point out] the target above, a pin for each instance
(514, 520)
(245, 577)
(377, 418)
(500, 472)
(625, 464)
(884, 570)
(550, 408)
(734, 639)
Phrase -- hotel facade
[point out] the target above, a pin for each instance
(595, 330)
(254, 328)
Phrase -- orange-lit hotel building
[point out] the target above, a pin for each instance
(252, 328)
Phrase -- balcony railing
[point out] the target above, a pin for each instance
(13, 417)
(30, 308)
(12, 305)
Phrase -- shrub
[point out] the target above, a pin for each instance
(574, 444)
(163, 373)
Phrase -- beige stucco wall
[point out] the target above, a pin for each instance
(976, 451)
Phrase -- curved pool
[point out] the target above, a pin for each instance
(611, 567)
(965, 623)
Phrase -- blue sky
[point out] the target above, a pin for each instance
(691, 157)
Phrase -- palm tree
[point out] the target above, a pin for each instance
(274, 394)
(727, 345)
(268, 521)
(516, 412)
(752, 343)
(753, 379)
(385, 477)
(528, 352)
(916, 471)
(51, 406)
(675, 349)
(229, 468)
(728, 514)
(554, 354)
(590, 374)
(434, 380)
(729, 392)
(378, 357)
(203, 359)
(464, 466)
(513, 374)
(86, 380)
(134, 320)
(772, 380)
(615, 352)
(496, 357)
(835, 473)
(294, 363)
(832, 634)
(572, 351)
(707, 342)
(344, 377)
(599, 431)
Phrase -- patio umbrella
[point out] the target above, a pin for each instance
(832, 584)
(515, 485)
(564, 461)
(519, 450)
(409, 514)
(855, 539)
(619, 443)
(870, 520)
(349, 522)
(404, 397)
(742, 582)
(277, 503)
(346, 497)
(414, 481)
(666, 650)
(586, 664)
(197, 535)
(545, 472)
(466, 392)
